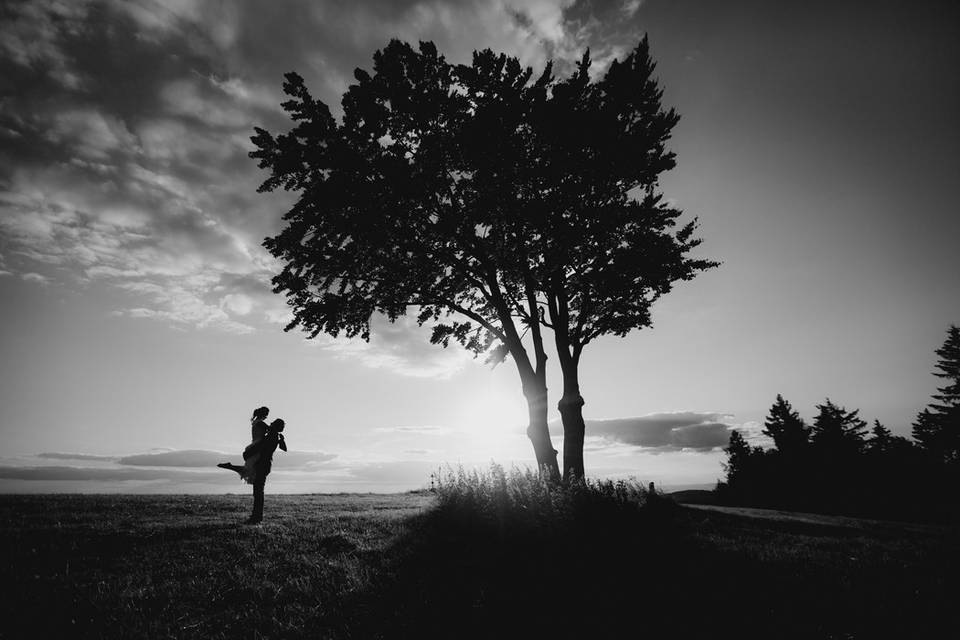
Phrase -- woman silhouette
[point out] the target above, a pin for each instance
(258, 458)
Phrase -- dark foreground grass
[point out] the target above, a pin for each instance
(486, 556)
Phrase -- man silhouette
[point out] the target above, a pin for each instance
(263, 465)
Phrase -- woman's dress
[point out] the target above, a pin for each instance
(254, 453)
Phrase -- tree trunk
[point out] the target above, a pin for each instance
(533, 379)
(571, 412)
(571, 404)
(538, 432)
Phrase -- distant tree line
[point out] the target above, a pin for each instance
(840, 464)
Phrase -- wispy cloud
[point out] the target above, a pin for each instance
(76, 456)
(131, 165)
(630, 7)
(414, 429)
(289, 460)
(399, 346)
(662, 431)
(91, 474)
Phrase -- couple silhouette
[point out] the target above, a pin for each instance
(258, 457)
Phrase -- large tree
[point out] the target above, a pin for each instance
(609, 245)
(937, 428)
(491, 202)
(402, 207)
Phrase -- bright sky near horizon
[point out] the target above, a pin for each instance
(819, 146)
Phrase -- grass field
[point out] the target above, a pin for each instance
(364, 566)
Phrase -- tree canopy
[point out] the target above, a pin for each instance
(488, 200)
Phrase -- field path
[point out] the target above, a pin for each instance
(845, 522)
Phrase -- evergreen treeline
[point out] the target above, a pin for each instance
(840, 464)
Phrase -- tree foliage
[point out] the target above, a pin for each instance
(937, 428)
(483, 198)
(607, 243)
(611, 244)
(790, 434)
(403, 206)
(836, 430)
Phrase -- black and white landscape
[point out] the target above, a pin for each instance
(646, 303)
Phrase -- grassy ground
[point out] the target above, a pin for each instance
(357, 566)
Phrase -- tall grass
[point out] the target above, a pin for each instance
(520, 501)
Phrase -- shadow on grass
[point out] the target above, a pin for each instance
(500, 556)
(658, 570)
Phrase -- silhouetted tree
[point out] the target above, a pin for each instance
(789, 432)
(837, 431)
(839, 470)
(471, 191)
(748, 473)
(937, 428)
(409, 202)
(738, 452)
(881, 440)
(927, 431)
(610, 245)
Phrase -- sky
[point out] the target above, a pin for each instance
(818, 147)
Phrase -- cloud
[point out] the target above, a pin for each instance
(303, 460)
(630, 7)
(108, 474)
(402, 347)
(76, 456)
(249, 94)
(90, 133)
(190, 98)
(416, 429)
(176, 469)
(237, 303)
(35, 277)
(401, 473)
(289, 460)
(187, 458)
(125, 147)
(663, 431)
(32, 37)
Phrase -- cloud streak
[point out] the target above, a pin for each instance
(76, 456)
(178, 466)
(303, 460)
(84, 474)
(696, 431)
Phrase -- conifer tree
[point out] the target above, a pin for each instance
(937, 428)
(789, 432)
(837, 431)
(738, 453)
(880, 439)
